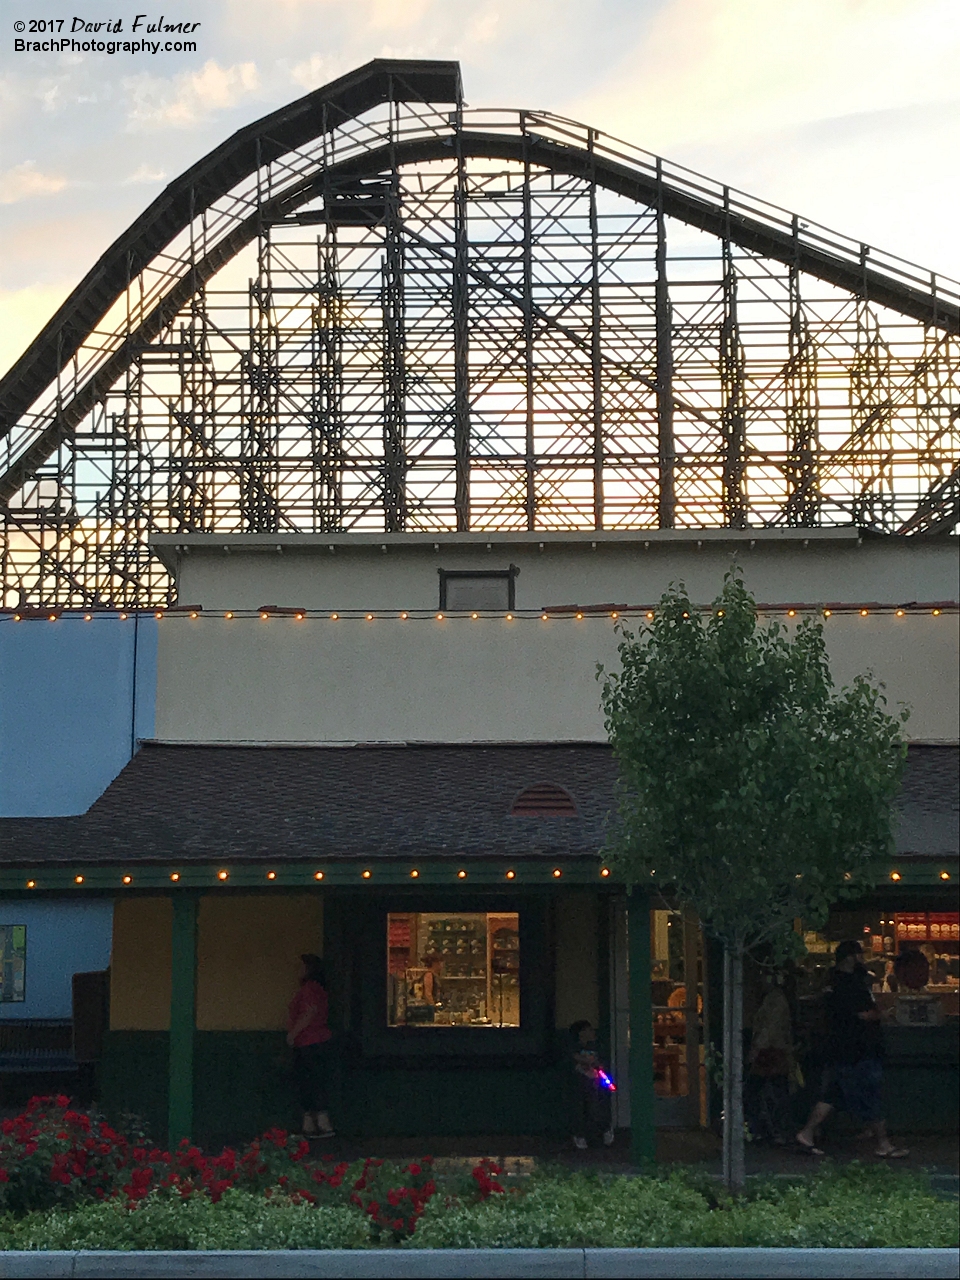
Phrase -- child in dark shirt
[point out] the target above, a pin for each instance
(592, 1108)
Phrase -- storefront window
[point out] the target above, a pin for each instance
(13, 962)
(453, 970)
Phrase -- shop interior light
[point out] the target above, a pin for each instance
(78, 879)
(128, 879)
(511, 875)
(944, 875)
(223, 875)
(271, 875)
(557, 873)
(461, 874)
(366, 874)
(175, 876)
(31, 884)
(895, 875)
(318, 875)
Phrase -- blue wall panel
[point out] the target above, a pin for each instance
(71, 709)
(63, 938)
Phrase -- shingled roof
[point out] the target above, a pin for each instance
(200, 803)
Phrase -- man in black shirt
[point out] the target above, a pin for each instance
(854, 1051)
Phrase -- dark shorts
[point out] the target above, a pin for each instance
(311, 1067)
(856, 1087)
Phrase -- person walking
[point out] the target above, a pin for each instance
(309, 1035)
(770, 1064)
(854, 1056)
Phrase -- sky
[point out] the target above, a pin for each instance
(845, 111)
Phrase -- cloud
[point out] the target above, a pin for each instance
(191, 96)
(25, 180)
(144, 174)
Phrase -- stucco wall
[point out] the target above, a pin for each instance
(140, 964)
(460, 680)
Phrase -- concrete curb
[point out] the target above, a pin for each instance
(439, 1264)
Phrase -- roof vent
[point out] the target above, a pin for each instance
(543, 800)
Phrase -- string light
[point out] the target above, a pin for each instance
(159, 614)
(557, 873)
(791, 613)
(369, 617)
(299, 616)
(194, 614)
(439, 617)
(123, 617)
(175, 876)
(318, 875)
(686, 615)
(650, 615)
(827, 613)
(895, 875)
(264, 616)
(579, 617)
(128, 879)
(719, 614)
(604, 871)
(511, 875)
(944, 875)
(509, 617)
(461, 875)
(614, 614)
(16, 617)
(366, 874)
(271, 875)
(223, 875)
(404, 616)
(414, 874)
(228, 615)
(474, 616)
(900, 613)
(53, 617)
(78, 879)
(88, 617)
(31, 884)
(334, 617)
(864, 612)
(544, 617)
(937, 612)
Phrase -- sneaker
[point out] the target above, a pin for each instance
(309, 1126)
(580, 1144)
(608, 1138)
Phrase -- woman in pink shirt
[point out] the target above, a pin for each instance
(309, 1037)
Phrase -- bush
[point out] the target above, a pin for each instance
(239, 1220)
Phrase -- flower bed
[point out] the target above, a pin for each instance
(70, 1181)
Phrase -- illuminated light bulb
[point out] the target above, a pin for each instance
(271, 875)
(404, 616)
(16, 617)
(474, 616)
(653, 873)
(158, 615)
(650, 615)
(944, 875)
(509, 617)
(614, 614)
(175, 876)
(686, 615)
(31, 884)
(461, 875)
(88, 617)
(544, 617)
(791, 613)
(228, 615)
(828, 613)
(78, 879)
(299, 616)
(128, 879)
(366, 874)
(579, 617)
(439, 617)
(604, 871)
(264, 617)
(334, 617)
(937, 612)
(864, 612)
(369, 617)
(123, 617)
(318, 875)
(901, 612)
(53, 617)
(895, 875)
(848, 875)
(557, 873)
(414, 874)
(719, 614)
(511, 875)
(194, 614)
(223, 875)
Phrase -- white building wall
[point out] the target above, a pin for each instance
(491, 679)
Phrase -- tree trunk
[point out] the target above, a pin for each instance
(734, 1167)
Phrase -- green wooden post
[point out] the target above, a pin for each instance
(643, 1150)
(183, 987)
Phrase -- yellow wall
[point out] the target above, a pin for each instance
(577, 994)
(140, 965)
(248, 949)
(248, 957)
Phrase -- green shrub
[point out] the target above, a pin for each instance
(239, 1220)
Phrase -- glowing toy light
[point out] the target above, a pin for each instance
(605, 1082)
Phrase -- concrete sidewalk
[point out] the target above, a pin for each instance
(438, 1264)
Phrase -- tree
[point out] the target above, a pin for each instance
(749, 785)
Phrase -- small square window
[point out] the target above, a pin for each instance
(457, 969)
(486, 590)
